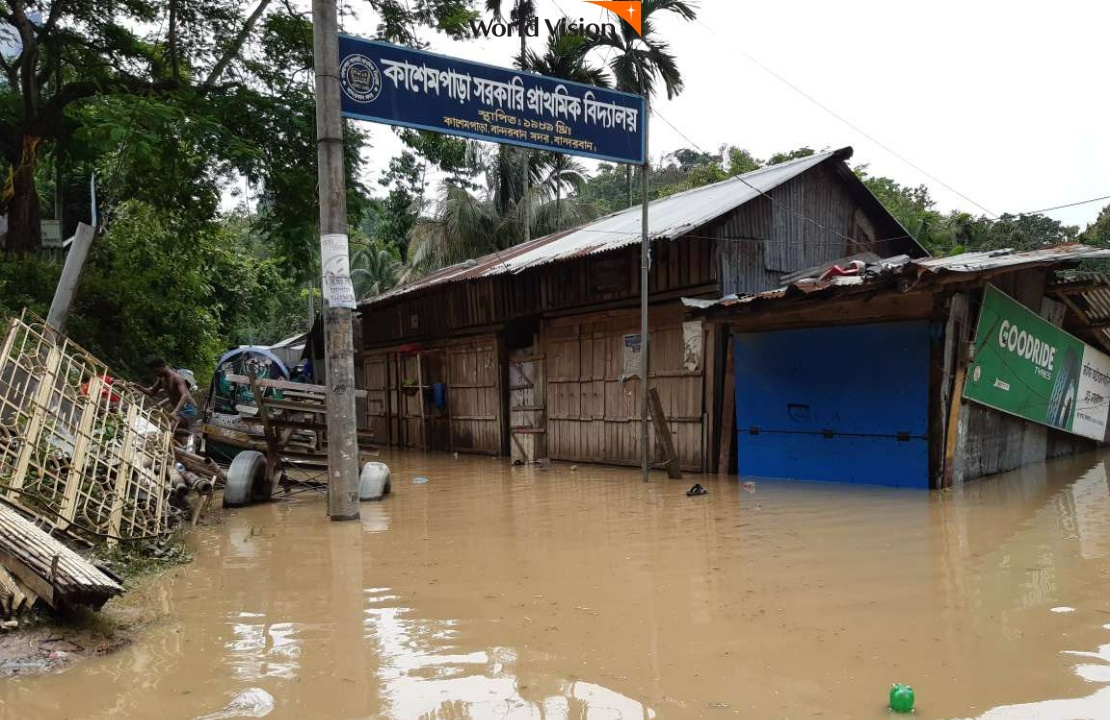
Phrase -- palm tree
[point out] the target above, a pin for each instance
(641, 61)
(522, 13)
(375, 268)
(566, 57)
(465, 225)
(562, 173)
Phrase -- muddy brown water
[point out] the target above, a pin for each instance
(498, 592)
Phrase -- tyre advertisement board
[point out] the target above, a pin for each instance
(1026, 366)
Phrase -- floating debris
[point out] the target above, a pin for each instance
(251, 703)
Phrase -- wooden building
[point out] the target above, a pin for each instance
(864, 377)
(533, 352)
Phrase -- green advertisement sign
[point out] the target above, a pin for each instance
(1026, 366)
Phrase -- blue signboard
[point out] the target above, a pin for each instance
(399, 86)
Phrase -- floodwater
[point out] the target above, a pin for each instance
(498, 592)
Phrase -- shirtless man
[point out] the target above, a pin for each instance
(176, 389)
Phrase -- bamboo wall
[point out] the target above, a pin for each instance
(594, 416)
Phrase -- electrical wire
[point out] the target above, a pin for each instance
(847, 122)
(775, 201)
(1066, 205)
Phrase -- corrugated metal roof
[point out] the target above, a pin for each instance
(992, 259)
(972, 262)
(669, 218)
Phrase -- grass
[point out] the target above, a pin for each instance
(136, 560)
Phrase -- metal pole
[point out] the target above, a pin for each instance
(92, 199)
(71, 276)
(339, 361)
(527, 181)
(645, 268)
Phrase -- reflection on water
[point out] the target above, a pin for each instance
(1093, 707)
(499, 592)
(421, 680)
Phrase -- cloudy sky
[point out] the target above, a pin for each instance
(1005, 103)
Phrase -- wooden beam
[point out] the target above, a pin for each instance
(728, 412)
(1074, 288)
(286, 385)
(663, 435)
(952, 433)
(853, 310)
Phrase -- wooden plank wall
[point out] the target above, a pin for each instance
(687, 264)
(474, 395)
(592, 416)
(375, 381)
(764, 240)
(397, 386)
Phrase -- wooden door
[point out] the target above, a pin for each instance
(474, 395)
(527, 415)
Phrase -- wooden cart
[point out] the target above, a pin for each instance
(290, 452)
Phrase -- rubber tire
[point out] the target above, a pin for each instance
(246, 480)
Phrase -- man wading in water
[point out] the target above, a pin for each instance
(168, 381)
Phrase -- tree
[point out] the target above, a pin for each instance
(640, 61)
(523, 13)
(81, 51)
(566, 56)
(1098, 232)
(245, 68)
(801, 152)
(375, 268)
(465, 224)
(563, 174)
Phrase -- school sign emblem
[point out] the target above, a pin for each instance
(360, 79)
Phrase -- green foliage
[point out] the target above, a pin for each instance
(465, 224)
(156, 283)
(375, 267)
(788, 156)
(639, 62)
(1098, 232)
(955, 232)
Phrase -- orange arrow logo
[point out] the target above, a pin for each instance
(630, 12)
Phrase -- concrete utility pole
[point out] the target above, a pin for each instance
(645, 272)
(339, 359)
(71, 276)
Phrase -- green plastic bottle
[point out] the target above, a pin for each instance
(901, 698)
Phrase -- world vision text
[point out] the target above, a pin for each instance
(494, 28)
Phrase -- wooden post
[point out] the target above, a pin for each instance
(728, 412)
(71, 276)
(952, 433)
(645, 271)
(420, 401)
(663, 436)
(339, 362)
